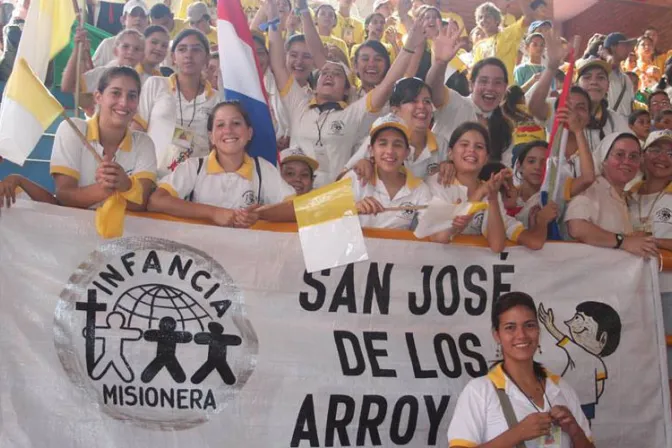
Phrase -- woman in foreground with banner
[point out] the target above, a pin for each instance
(519, 403)
(129, 162)
(227, 186)
(469, 152)
(599, 216)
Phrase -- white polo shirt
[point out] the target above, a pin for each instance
(457, 193)
(105, 52)
(654, 208)
(213, 186)
(478, 416)
(278, 111)
(427, 163)
(329, 136)
(620, 82)
(414, 192)
(601, 205)
(69, 156)
(177, 126)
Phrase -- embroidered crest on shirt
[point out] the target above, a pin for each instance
(337, 127)
(249, 198)
(664, 215)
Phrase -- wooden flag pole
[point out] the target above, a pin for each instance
(82, 138)
(78, 69)
(407, 208)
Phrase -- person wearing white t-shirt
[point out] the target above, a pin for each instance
(297, 169)
(326, 127)
(175, 110)
(129, 161)
(227, 186)
(411, 101)
(469, 152)
(135, 16)
(519, 402)
(392, 185)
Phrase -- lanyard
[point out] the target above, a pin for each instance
(543, 389)
(320, 126)
(179, 98)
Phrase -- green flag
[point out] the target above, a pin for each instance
(96, 36)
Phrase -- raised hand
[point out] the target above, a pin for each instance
(447, 43)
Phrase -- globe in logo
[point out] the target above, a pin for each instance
(146, 305)
(155, 333)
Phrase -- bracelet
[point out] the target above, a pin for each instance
(408, 51)
(272, 24)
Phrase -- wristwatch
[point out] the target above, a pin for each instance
(619, 240)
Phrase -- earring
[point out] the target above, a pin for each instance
(539, 347)
(498, 351)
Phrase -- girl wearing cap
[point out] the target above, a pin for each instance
(297, 169)
(489, 80)
(526, 75)
(134, 17)
(469, 152)
(326, 126)
(593, 77)
(175, 110)
(392, 184)
(542, 403)
(599, 216)
(411, 101)
(226, 186)
(129, 165)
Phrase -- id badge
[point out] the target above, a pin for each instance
(183, 138)
(553, 440)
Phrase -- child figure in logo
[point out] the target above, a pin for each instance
(594, 332)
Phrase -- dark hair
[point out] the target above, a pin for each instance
(118, 72)
(406, 90)
(498, 126)
(379, 48)
(458, 82)
(527, 147)
(191, 32)
(514, 96)
(580, 91)
(152, 29)
(560, 75)
(368, 20)
(660, 115)
(641, 39)
(608, 321)
(466, 127)
(214, 55)
(655, 93)
(489, 169)
(159, 11)
(636, 114)
(504, 303)
(236, 104)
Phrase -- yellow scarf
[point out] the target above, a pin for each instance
(110, 216)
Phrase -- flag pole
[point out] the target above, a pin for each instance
(82, 138)
(78, 69)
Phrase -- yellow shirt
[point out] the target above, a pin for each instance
(457, 18)
(388, 47)
(333, 40)
(349, 29)
(503, 45)
(661, 59)
(212, 36)
(179, 26)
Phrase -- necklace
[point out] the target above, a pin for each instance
(179, 98)
(645, 222)
(543, 391)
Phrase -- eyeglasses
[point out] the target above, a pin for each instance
(655, 151)
(660, 103)
(621, 156)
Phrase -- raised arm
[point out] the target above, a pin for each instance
(258, 19)
(277, 47)
(313, 39)
(587, 176)
(537, 103)
(69, 80)
(528, 12)
(446, 46)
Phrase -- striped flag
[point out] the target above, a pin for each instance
(555, 155)
(242, 78)
(46, 32)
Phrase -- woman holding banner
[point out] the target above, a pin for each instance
(519, 403)
(226, 186)
(469, 152)
(128, 160)
(599, 216)
(175, 110)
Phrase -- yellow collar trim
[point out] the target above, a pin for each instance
(498, 378)
(432, 143)
(412, 182)
(207, 87)
(245, 171)
(93, 134)
(141, 70)
(635, 188)
(313, 103)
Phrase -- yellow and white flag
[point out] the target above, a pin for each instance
(33, 109)
(46, 32)
(329, 227)
(440, 214)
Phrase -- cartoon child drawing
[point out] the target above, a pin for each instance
(594, 332)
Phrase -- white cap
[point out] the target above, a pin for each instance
(379, 3)
(132, 4)
(390, 121)
(196, 11)
(657, 135)
(294, 153)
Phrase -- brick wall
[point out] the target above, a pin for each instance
(624, 16)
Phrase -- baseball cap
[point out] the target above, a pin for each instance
(538, 24)
(294, 153)
(132, 4)
(617, 38)
(378, 3)
(390, 121)
(196, 11)
(657, 136)
(584, 64)
(529, 37)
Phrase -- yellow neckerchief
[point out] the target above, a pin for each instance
(110, 215)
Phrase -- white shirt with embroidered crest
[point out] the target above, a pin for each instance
(279, 113)
(457, 194)
(213, 186)
(654, 208)
(427, 163)
(177, 126)
(478, 416)
(329, 136)
(414, 192)
(71, 158)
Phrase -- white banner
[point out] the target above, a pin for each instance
(191, 336)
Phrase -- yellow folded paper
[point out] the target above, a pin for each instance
(110, 216)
